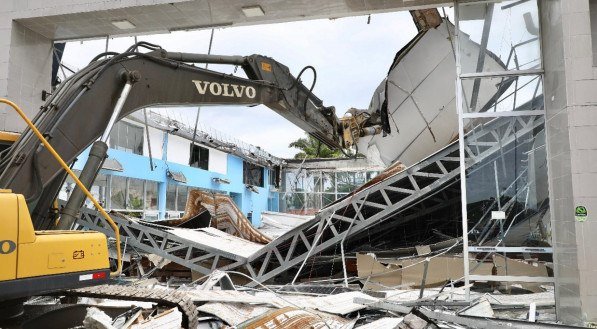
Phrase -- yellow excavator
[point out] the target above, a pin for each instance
(36, 258)
(35, 262)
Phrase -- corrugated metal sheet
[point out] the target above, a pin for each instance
(234, 313)
(219, 240)
(290, 317)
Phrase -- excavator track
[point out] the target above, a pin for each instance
(166, 297)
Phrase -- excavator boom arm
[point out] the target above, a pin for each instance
(80, 109)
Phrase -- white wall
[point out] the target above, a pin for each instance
(156, 137)
(218, 161)
(178, 150)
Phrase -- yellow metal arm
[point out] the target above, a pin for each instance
(76, 179)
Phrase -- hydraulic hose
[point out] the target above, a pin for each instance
(75, 178)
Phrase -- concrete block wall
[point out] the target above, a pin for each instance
(25, 69)
(571, 106)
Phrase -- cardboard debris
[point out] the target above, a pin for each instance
(507, 266)
(409, 272)
(377, 276)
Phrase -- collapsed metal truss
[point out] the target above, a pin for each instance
(380, 204)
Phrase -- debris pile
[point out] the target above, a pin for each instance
(218, 301)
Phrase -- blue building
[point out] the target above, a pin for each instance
(152, 165)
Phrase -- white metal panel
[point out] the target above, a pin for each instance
(218, 161)
(178, 150)
(156, 139)
(428, 72)
(220, 240)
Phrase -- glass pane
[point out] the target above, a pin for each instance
(329, 182)
(171, 197)
(510, 175)
(135, 196)
(327, 198)
(340, 195)
(508, 31)
(360, 178)
(309, 180)
(67, 187)
(371, 175)
(289, 181)
(520, 93)
(313, 202)
(118, 192)
(181, 201)
(345, 181)
(98, 190)
(294, 201)
(151, 197)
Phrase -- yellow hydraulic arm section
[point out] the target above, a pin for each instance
(75, 178)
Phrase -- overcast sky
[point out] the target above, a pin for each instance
(350, 55)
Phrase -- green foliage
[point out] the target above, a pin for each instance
(311, 148)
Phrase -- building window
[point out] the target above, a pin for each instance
(252, 174)
(127, 137)
(135, 199)
(171, 197)
(151, 195)
(98, 190)
(593, 19)
(199, 157)
(181, 197)
(118, 192)
(274, 177)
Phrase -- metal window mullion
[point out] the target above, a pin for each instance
(144, 197)
(461, 149)
(499, 74)
(126, 193)
(474, 115)
(109, 192)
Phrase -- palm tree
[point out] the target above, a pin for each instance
(312, 148)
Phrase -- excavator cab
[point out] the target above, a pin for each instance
(35, 262)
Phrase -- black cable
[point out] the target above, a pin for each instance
(107, 53)
(297, 81)
(143, 44)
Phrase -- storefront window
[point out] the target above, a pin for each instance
(135, 194)
(118, 192)
(171, 197)
(151, 196)
(98, 190)
(181, 200)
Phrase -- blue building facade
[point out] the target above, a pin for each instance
(157, 187)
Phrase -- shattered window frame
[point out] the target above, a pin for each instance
(253, 174)
(199, 157)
